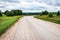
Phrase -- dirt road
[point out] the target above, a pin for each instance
(29, 28)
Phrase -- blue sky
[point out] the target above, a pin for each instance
(30, 5)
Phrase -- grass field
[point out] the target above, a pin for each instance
(55, 19)
(6, 22)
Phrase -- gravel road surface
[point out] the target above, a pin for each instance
(30, 28)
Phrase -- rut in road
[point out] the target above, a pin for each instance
(30, 28)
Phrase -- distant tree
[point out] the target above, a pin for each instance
(20, 12)
(41, 14)
(50, 15)
(9, 13)
(0, 13)
(17, 12)
(13, 12)
(58, 13)
(45, 12)
(6, 12)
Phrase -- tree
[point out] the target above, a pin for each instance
(6, 12)
(17, 12)
(13, 12)
(50, 15)
(45, 12)
(9, 13)
(58, 13)
(0, 13)
(20, 12)
(41, 14)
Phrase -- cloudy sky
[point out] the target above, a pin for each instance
(30, 5)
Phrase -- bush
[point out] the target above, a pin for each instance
(50, 15)
(0, 13)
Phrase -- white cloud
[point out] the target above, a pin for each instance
(30, 5)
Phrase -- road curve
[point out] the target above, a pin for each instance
(30, 28)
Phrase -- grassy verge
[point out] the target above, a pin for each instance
(6, 22)
(55, 19)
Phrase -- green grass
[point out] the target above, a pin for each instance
(6, 22)
(55, 19)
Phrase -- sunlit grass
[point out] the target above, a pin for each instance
(55, 19)
(6, 22)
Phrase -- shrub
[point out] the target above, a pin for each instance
(50, 15)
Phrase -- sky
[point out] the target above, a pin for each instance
(30, 5)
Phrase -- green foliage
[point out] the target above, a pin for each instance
(17, 12)
(6, 12)
(58, 13)
(45, 12)
(13, 12)
(41, 14)
(0, 13)
(9, 13)
(50, 15)
(55, 19)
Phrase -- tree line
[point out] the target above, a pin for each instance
(50, 14)
(11, 13)
(19, 12)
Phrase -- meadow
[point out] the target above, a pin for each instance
(6, 22)
(54, 19)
